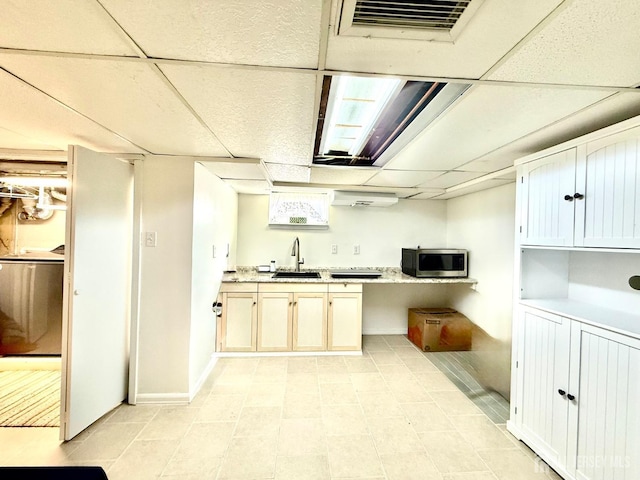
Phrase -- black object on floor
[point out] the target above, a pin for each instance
(53, 473)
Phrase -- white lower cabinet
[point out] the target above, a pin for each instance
(286, 317)
(239, 318)
(578, 396)
(543, 372)
(274, 321)
(310, 322)
(345, 317)
(604, 414)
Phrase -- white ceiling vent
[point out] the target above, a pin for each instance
(439, 20)
(363, 199)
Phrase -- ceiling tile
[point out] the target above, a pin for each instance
(590, 42)
(288, 173)
(31, 113)
(128, 98)
(342, 175)
(614, 109)
(254, 187)
(256, 114)
(484, 119)
(401, 178)
(477, 187)
(470, 56)
(235, 169)
(426, 195)
(9, 139)
(61, 26)
(276, 32)
(450, 179)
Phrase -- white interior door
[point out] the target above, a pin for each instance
(97, 288)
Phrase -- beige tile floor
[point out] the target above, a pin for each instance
(389, 414)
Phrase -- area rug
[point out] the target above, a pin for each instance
(30, 398)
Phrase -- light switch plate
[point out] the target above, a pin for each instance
(151, 239)
(356, 249)
(334, 249)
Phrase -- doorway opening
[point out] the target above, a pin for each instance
(32, 237)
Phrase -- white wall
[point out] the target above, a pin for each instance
(380, 232)
(190, 210)
(385, 307)
(484, 224)
(165, 292)
(215, 213)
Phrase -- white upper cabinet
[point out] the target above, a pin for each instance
(586, 196)
(608, 174)
(547, 189)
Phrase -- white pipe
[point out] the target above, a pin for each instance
(58, 196)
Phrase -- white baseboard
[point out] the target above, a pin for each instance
(166, 398)
(384, 331)
(203, 377)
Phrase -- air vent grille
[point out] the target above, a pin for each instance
(429, 14)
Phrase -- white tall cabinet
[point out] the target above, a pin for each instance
(576, 331)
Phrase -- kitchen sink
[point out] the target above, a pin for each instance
(294, 274)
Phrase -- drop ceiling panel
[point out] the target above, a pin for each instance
(10, 139)
(32, 114)
(128, 98)
(401, 178)
(473, 53)
(255, 114)
(496, 182)
(236, 170)
(288, 173)
(276, 32)
(255, 187)
(590, 42)
(449, 179)
(426, 195)
(611, 110)
(486, 118)
(62, 26)
(342, 175)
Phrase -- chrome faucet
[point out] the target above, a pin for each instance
(295, 252)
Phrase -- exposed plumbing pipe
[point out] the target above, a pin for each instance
(5, 204)
(58, 195)
(31, 212)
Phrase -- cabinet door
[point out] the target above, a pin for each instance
(345, 321)
(546, 217)
(542, 373)
(239, 318)
(274, 321)
(605, 411)
(310, 322)
(609, 213)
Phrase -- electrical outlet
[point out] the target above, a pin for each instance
(151, 239)
(334, 249)
(356, 249)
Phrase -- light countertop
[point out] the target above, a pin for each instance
(389, 275)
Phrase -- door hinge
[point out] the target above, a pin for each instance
(522, 179)
(516, 410)
(516, 364)
(520, 228)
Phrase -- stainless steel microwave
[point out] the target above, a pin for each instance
(429, 262)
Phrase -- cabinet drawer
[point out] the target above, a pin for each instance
(238, 287)
(345, 288)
